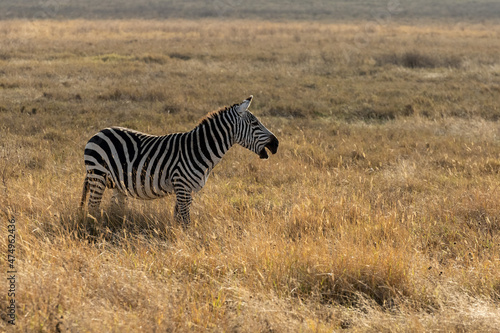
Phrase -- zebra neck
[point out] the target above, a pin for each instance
(213, 138)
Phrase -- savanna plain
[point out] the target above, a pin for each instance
(380, 211)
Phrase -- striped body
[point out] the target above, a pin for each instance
(145, 166)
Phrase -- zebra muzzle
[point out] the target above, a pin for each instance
(272, 145)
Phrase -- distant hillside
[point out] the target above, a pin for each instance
(468, 10)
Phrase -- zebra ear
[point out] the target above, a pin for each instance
(243, 107)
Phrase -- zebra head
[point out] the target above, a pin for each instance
(251, 134)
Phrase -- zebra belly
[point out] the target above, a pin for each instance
(144, 196)
(146, 190)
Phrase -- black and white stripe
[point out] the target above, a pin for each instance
(145, 166)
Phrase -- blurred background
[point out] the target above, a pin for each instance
(340, 10)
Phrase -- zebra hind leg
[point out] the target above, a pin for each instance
(118, 206)
(85, 191)
(97, 184)
(119, 199)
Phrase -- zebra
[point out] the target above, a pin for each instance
(144, 166)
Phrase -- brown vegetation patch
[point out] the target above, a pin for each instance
(418, 59)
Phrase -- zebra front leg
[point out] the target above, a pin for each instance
(182, 206)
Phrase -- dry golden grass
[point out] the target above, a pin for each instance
(380, 211)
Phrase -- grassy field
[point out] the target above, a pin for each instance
(380, 211)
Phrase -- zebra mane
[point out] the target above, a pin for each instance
(213, 114)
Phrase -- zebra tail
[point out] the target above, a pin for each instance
(86, 186)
